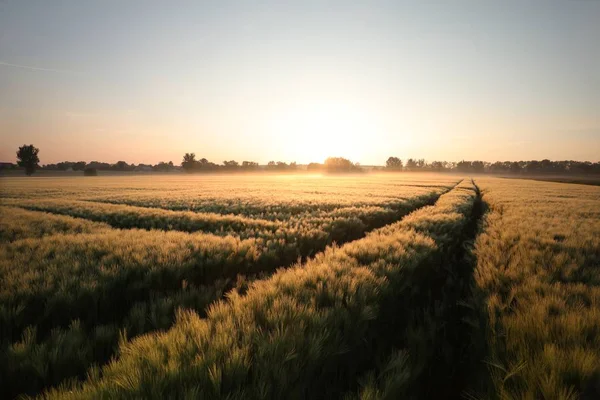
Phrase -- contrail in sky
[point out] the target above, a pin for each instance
(65, 71)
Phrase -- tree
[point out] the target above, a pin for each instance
(79, 166)
(464, 166)
(515, 167)
(339, 164)
(411, 164)
(231, 164)
(65, 165)
(249, 165)
(438, 166)
(27, 157)
(100, 166)
(163, 166)
(121, 165)
(478, 167)
(394, 163)
(189, 162)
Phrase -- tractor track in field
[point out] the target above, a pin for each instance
(460, 348)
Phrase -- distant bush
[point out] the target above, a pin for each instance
(90, 172)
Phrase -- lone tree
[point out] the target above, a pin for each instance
(27, 157)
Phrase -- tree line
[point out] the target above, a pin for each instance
(331, 164)
(531, 167)
(190, 164)
(28, 159)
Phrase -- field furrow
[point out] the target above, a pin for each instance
(268, 209)
(16, 224)
(441, 344)
(129, 217)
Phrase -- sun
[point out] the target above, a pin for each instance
(313, 132)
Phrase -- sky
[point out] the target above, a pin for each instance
(146, 81)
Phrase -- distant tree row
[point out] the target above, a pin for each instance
(190, 164)
(28, 159)
(331, 164)
(500, 167)
(102, 166)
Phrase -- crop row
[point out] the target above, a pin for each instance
(16, 224)
(539, 281)
(129, 280)
(281, 201)
(127, 217)
(308, 232)
(259, 207)
(306, 332)
(263, 191)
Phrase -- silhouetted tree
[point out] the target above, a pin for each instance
(100, 166)
(394, 163)
(280, 166)
(339, 164)
(27, 157)
(464, 166)
(515, 167)
(411, 164)
(498, 167)
(230, 164)
(477, 167)
(438, 166)
(122, 166)
(189, 162)
(78, 166)
(249, 165)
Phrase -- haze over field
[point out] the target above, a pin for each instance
(147, 81)
(358, 200)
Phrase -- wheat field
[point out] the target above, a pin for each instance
(373, 286)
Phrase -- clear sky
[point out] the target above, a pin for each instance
(145, 81)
